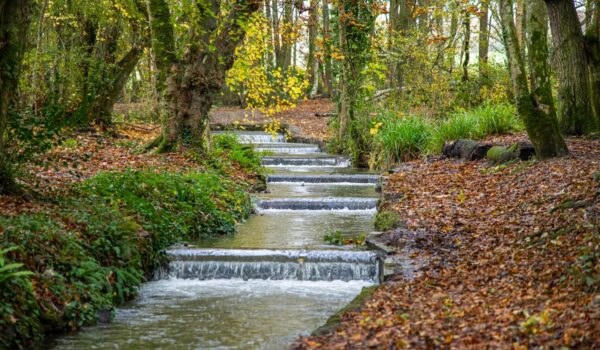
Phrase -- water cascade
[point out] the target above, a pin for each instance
(274, 279)
(302, 265)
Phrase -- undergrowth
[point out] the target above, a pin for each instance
(398, 137)
(61, 267)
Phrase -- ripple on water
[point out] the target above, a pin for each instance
(217, 314)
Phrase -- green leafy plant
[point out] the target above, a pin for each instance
(338, 238)
(11, 270)
(387, 220)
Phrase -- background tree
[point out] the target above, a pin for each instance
(356, 19)
(535, 106)
(15, 17)
(197, 75)
(574, 94)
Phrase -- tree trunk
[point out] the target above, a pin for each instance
(195, 80)
(574, 96)
(592, 41)
(15, 17)
(105, 100)
(286, 42)
(344, 98)
(327, 69)
(484, 40)
(537, 47)
(312, 65)
(466, 44)
(276, 33)
(541, 127)
(452, 37)
(163, 41)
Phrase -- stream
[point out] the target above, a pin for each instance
(272, 281)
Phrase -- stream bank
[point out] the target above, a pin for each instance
(274, 279)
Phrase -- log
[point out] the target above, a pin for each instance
(473, 150)
(324, 115)
(500, 154)
(466, 149)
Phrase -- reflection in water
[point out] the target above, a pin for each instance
(217, 314)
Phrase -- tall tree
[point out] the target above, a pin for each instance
(592, 42)
(15, 17)
(327, 67)
(574, 94)
(356, 19)
(532, 106)
(195, 78)
(466, 43)
(312, 64)
(484, 39)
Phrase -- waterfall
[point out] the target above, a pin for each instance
(324, 178)
(329, 203)
(302, 265)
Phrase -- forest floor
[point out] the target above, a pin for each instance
(512, 252)
(83, 155)
(305, 120)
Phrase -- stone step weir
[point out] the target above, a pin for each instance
(324, 178)
(254, 137)
(319, 161)
(303, 265)
(287, 148)
(329, 203)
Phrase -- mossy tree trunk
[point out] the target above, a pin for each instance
(193, 81)
(484, 41)
(356, 20)
(312, 64)
(327, 68)
(533, 107)
(466, 44)
(574, 95)
(15, 17)
(592, 41)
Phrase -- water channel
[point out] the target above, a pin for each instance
(273, 280)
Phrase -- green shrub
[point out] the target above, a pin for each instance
(70, 284)
(387, 220)
(405, 138)
(93, 252)
(461, 125)
(226, 146)
(175, 206)
(402, 138)
(497, 119)
(18, 309)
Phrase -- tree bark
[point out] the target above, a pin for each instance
(541, 127)
(312, 65)
(344, 97)
(195, 80)
(466, 44)
(592, 41)
(574, 95)
(106, 98)
(327, 68)
(15, 17)
(484, 40)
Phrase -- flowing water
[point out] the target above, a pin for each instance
(270, 282)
